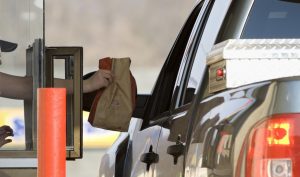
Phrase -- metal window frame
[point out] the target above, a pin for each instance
(74, 104)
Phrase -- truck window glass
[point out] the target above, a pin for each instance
(193, 79)
(163, 91)
(273, 19)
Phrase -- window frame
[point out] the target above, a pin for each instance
(180, 97)
(187, 59)
(156, 109)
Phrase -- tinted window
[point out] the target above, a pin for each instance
(193, 77)
(192, 83)
(273, 19)
(163, 91)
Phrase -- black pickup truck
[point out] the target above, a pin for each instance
(249, 130)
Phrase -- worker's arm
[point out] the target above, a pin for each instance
(17, 87)
(99, 80)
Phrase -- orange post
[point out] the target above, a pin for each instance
(51, 147)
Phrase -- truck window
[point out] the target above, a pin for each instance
(163, 90)
(193, 76)
(273, 19)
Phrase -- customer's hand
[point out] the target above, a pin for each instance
(101, 78)
(5, 131)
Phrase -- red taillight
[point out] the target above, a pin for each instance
(278, 133)
(274, 147)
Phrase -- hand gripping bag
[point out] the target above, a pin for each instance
(112, 107)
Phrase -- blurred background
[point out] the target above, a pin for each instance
(143, 30)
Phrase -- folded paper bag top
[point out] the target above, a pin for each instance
(112, 107)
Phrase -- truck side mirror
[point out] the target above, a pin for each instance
(140, 107)
(6, 46)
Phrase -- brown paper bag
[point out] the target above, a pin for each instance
(113, 106)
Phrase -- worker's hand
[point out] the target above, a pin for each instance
(5, 131)
(101, 78)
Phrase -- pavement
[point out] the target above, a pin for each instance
(88, 166)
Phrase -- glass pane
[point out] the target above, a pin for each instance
(193, 82)
(21, 23)
(273, 19)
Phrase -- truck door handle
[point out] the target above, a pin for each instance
(176, 150)
(149, 158)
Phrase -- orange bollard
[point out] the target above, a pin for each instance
(51, 147)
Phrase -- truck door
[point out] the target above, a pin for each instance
(143, 145)
(172, 142)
